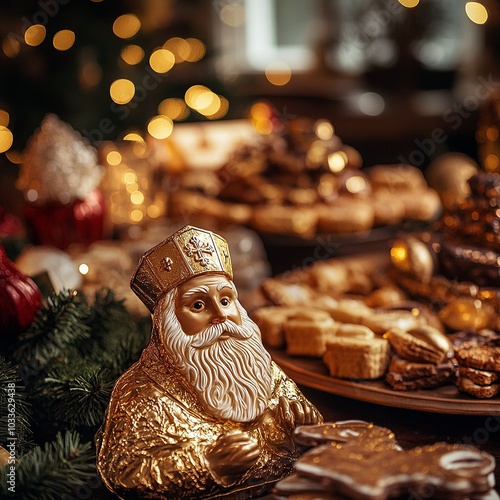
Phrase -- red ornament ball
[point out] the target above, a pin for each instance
(20, 300)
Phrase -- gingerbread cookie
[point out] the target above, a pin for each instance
(346, 433)
(365, 464)
(295, 487)
(481, 356)
(452, 471)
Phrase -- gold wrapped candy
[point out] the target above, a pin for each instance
(413, 257)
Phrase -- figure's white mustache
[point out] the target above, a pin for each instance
(212, 333)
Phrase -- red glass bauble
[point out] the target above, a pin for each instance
(20, 299)
(59, 225)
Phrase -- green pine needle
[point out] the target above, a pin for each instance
(75, 396)
(112, 323)
(61, 322)
(51, 472)
(15, 421)
(69, 358)
(124, 354)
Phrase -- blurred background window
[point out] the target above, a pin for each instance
(345, 36)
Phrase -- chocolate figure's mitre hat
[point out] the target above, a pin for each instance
(187, 253)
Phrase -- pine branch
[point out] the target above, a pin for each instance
(108, 310)
(15, 409)
(112, 323)
(117, 336)
(74, 353)
(125, 353)
(60, 323)
(75, 396)
(51, 472)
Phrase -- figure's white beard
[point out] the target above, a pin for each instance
(232, 377)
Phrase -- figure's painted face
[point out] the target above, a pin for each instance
(223, 359)
(206, 300)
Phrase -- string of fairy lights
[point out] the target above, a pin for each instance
(161, 60)
(132, 202)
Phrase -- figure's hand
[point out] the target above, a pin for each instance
(295, 413)
(231, 456)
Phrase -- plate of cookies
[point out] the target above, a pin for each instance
(346, 327)
(444, 399)
(297, 179)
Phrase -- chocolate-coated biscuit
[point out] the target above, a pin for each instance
(455, 472)
(479, 377)
(480, 356)
(296, 486)
(419, 375)
(411, 369)
(346, 433)
(466, 385)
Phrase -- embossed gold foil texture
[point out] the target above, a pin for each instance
(158, 439)
(187, 253)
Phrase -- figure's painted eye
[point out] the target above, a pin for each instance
(198, 305)
(225, 302)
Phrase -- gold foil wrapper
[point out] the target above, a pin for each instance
(156, 436)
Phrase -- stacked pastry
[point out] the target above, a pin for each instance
(479, 367)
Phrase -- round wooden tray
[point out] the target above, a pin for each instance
(311, 372)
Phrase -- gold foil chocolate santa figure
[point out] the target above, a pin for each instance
(205, 412)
